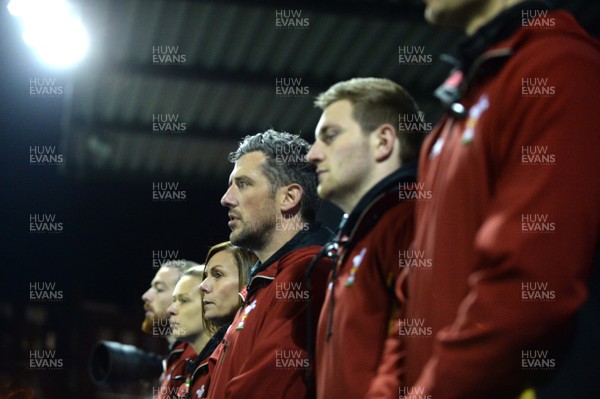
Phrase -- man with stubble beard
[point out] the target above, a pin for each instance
(272, 201)
(157, 300)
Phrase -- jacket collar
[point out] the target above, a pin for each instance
(192, 367)
(376, 201)
(314, 235)
(476, 56)
(176, 349)
(500, 28)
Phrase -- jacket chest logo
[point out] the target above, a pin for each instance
(437, 147)
(474, 114)
(356, 261)
(184, 389)
(247, 310)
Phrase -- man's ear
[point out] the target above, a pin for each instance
(383, 141)
(290, 197)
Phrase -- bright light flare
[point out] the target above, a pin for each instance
(52, 29)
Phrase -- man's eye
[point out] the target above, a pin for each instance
(329, 136)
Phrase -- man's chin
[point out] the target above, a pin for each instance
(435, 17)
(233, 238)
(154, 326)
(147, 325)
(448, 17)
(429, 16)
(239, 237)
(323, 192)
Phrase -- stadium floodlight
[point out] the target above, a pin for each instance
(53, 29)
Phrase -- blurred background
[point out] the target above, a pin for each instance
(118, 161)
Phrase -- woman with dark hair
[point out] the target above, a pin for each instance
(204, 307)
(225, 276)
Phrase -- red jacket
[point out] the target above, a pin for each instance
(175, 367)
(195, 385)
(352, 362)
(264, 352)
(515, 215)
(197, 377)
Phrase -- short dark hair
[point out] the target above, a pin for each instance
(286, 163)
(375, 102)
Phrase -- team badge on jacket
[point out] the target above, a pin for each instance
(474, 115)
(246, 311)
(356, 261)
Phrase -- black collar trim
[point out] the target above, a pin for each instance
(314, 235)
(471, 59)
(389, 185)
(201, 360)
(503, 26)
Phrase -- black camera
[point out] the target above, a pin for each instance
(113, 363)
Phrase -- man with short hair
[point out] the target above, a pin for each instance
(272, 203)
(366, 157)
(514, 218)
(159, 297)
(157, 300)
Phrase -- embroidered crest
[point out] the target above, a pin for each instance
(247, 310)
(474, 115)
(437, 147)
(356, 261)
(184, 389)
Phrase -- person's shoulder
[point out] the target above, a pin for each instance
(189, 351)
(299, 257)
(565, 39)
(563, 57)
(177, 348)
(397, 215)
